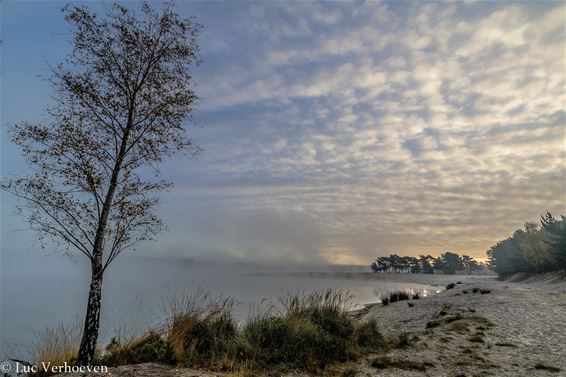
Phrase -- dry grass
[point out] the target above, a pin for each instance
(297, 303)
(201, 329)
(56, 344)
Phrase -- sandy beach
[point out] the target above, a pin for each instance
(527, 333)
(513, 328)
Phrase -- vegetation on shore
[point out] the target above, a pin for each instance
(446, 263)
(302, 331)
(399, 296)
(536, 248)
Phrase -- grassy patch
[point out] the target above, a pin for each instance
(469, 357)
(444, 318)
(458, 321)
(151, 347)
(399, 296)
(305, 331)
(311, 332)
(459, 326)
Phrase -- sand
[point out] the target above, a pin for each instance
(528, 330)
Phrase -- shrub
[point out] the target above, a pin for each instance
(151, 347)
(368, 335)
(310, 332)
(450, 286)
(398, 296)
(202, 330)
(284, 340)
(385, 300)
(204, 341)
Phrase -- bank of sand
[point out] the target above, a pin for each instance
(527, 335)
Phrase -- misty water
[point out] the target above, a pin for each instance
(39, 290)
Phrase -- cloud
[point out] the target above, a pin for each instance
(338, 131)
(435, 128)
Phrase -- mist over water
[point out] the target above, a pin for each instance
(39, 290)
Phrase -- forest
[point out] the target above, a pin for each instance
(536, 248)
(446, 263)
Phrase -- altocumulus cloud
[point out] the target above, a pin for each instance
(340, 131)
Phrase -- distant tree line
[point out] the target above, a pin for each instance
(447, 263)
(536, 248)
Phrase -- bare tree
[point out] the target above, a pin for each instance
(121, 97)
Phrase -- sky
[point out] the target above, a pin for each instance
(335, 132)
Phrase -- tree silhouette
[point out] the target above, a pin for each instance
(122, 95)
(470, 265)
(451, 262)
(536, 248)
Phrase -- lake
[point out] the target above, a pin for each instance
(39, 290)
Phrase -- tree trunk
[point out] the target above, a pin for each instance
(92, 319)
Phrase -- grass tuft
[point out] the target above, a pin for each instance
(395, 296)
(57, 344)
